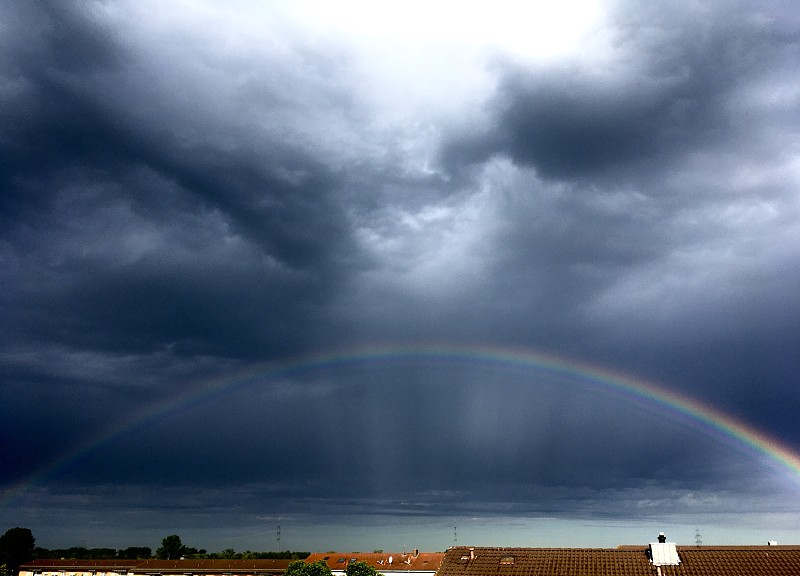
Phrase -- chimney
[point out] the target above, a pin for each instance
(472, 553)
(662, 537)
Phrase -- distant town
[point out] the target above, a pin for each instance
(659, 557)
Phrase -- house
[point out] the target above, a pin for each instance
(217, 567)
(658, 559)
(72, 567)
(416, 563)
(255, 567)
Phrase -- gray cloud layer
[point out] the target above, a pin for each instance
(179, 203)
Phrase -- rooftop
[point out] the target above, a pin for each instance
(382, 561)
(48, 563)
(622, 561)
(153, 566)
(216, 565)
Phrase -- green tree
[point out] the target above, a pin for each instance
(360, 569)
(16, 548)
(171, 548)
(301, 568)
(77, 552)
(191, 553)
(318, 568)
(101, 553)
(136, 553)
(297, 568)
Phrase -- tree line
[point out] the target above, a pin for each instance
(172, 548)
(17, 546)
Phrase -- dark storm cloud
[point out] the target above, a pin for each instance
(180, 204)
(349, 438)
(668, 89)
(632, 167)
(136, 233)
(124, 234)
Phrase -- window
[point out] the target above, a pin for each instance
(340, 561)
(507, 560)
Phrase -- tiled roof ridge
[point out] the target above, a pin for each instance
(83, 561)
(743, 548)
(139, 564)
(527, 548)
(637, 547)
(401, 560)
(730, 560)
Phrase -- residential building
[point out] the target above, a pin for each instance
(657, 559)
(415, 563)
(217, 567)
(72, 567)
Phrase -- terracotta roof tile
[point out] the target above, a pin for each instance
(465, 561)
(423, 561)
(623, 561)
(42, 563)
(253, 566)
(216, 565)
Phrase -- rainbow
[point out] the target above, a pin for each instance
(703, 416)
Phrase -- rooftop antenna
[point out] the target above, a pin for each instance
(455, 535)
(278, 537)
(698, 539)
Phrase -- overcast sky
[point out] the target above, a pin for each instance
(194, 192)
